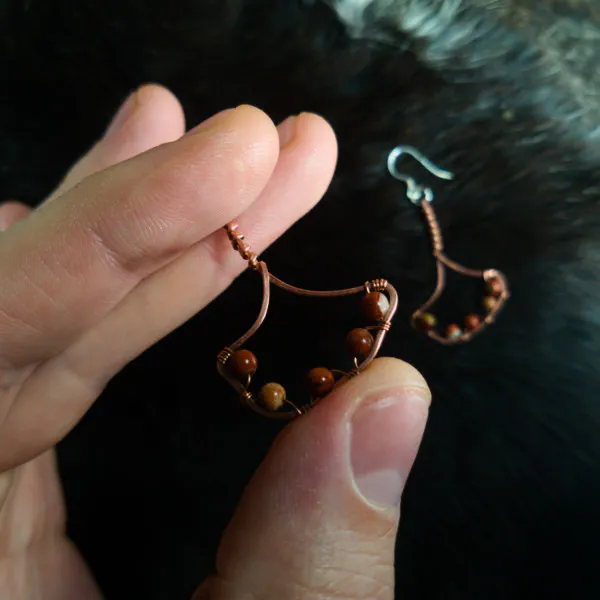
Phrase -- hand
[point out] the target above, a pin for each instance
(127, 249)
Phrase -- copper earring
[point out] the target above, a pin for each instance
(238, 365)
(497, 292)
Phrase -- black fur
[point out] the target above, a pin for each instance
(504, 501)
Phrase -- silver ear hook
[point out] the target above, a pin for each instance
(415, 191)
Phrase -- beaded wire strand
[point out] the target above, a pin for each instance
(238, 365)
(496, 282)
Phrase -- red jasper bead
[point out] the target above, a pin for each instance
(320, 381)
(374, 306)
(359, 342)
(494, 287)
(242, 364)
(472, 322)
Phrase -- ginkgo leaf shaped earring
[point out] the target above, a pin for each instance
(497, 292)
(238, 365)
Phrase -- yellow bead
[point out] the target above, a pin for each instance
(272, 396)
(427, 321)
(489, 303)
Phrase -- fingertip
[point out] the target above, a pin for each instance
(318, 128)
(260, 136)
(155, 116)
(244, 113)
(163, 107)
(236, 155)
(388, 371)
(254, 120)
(319, 142)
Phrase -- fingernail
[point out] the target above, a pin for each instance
(123, 114)
(209, 122)
(385, 435)
(287, 131)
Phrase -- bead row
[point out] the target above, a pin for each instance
(243, 364)
(495, 289)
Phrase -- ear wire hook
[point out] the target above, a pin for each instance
(415, 192)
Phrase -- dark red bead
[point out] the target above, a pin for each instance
(320, 381)
(374, 306)
(472, 322)
(359, 342)
(495, 287)
(242, 364)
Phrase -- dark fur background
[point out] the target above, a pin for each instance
(504, 501)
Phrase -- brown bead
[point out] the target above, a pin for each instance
(453, 331)
(359, 342)
(494, 287)
(272, 396)
(489, 303)
(472, 322)
(427, 321)
(320, 381)
(374, 306)
(241, 364)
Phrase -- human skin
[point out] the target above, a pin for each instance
(126, 249)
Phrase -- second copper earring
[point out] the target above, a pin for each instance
(496, 285)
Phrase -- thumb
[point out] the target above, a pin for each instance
(319, 518)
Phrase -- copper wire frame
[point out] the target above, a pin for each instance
(423, 196)
(443, 262)
(382, 327)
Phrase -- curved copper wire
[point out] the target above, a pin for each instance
(245, 396)
(382, 328)
(316, 293)
(264, 271)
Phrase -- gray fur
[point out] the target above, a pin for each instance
(480, 38)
